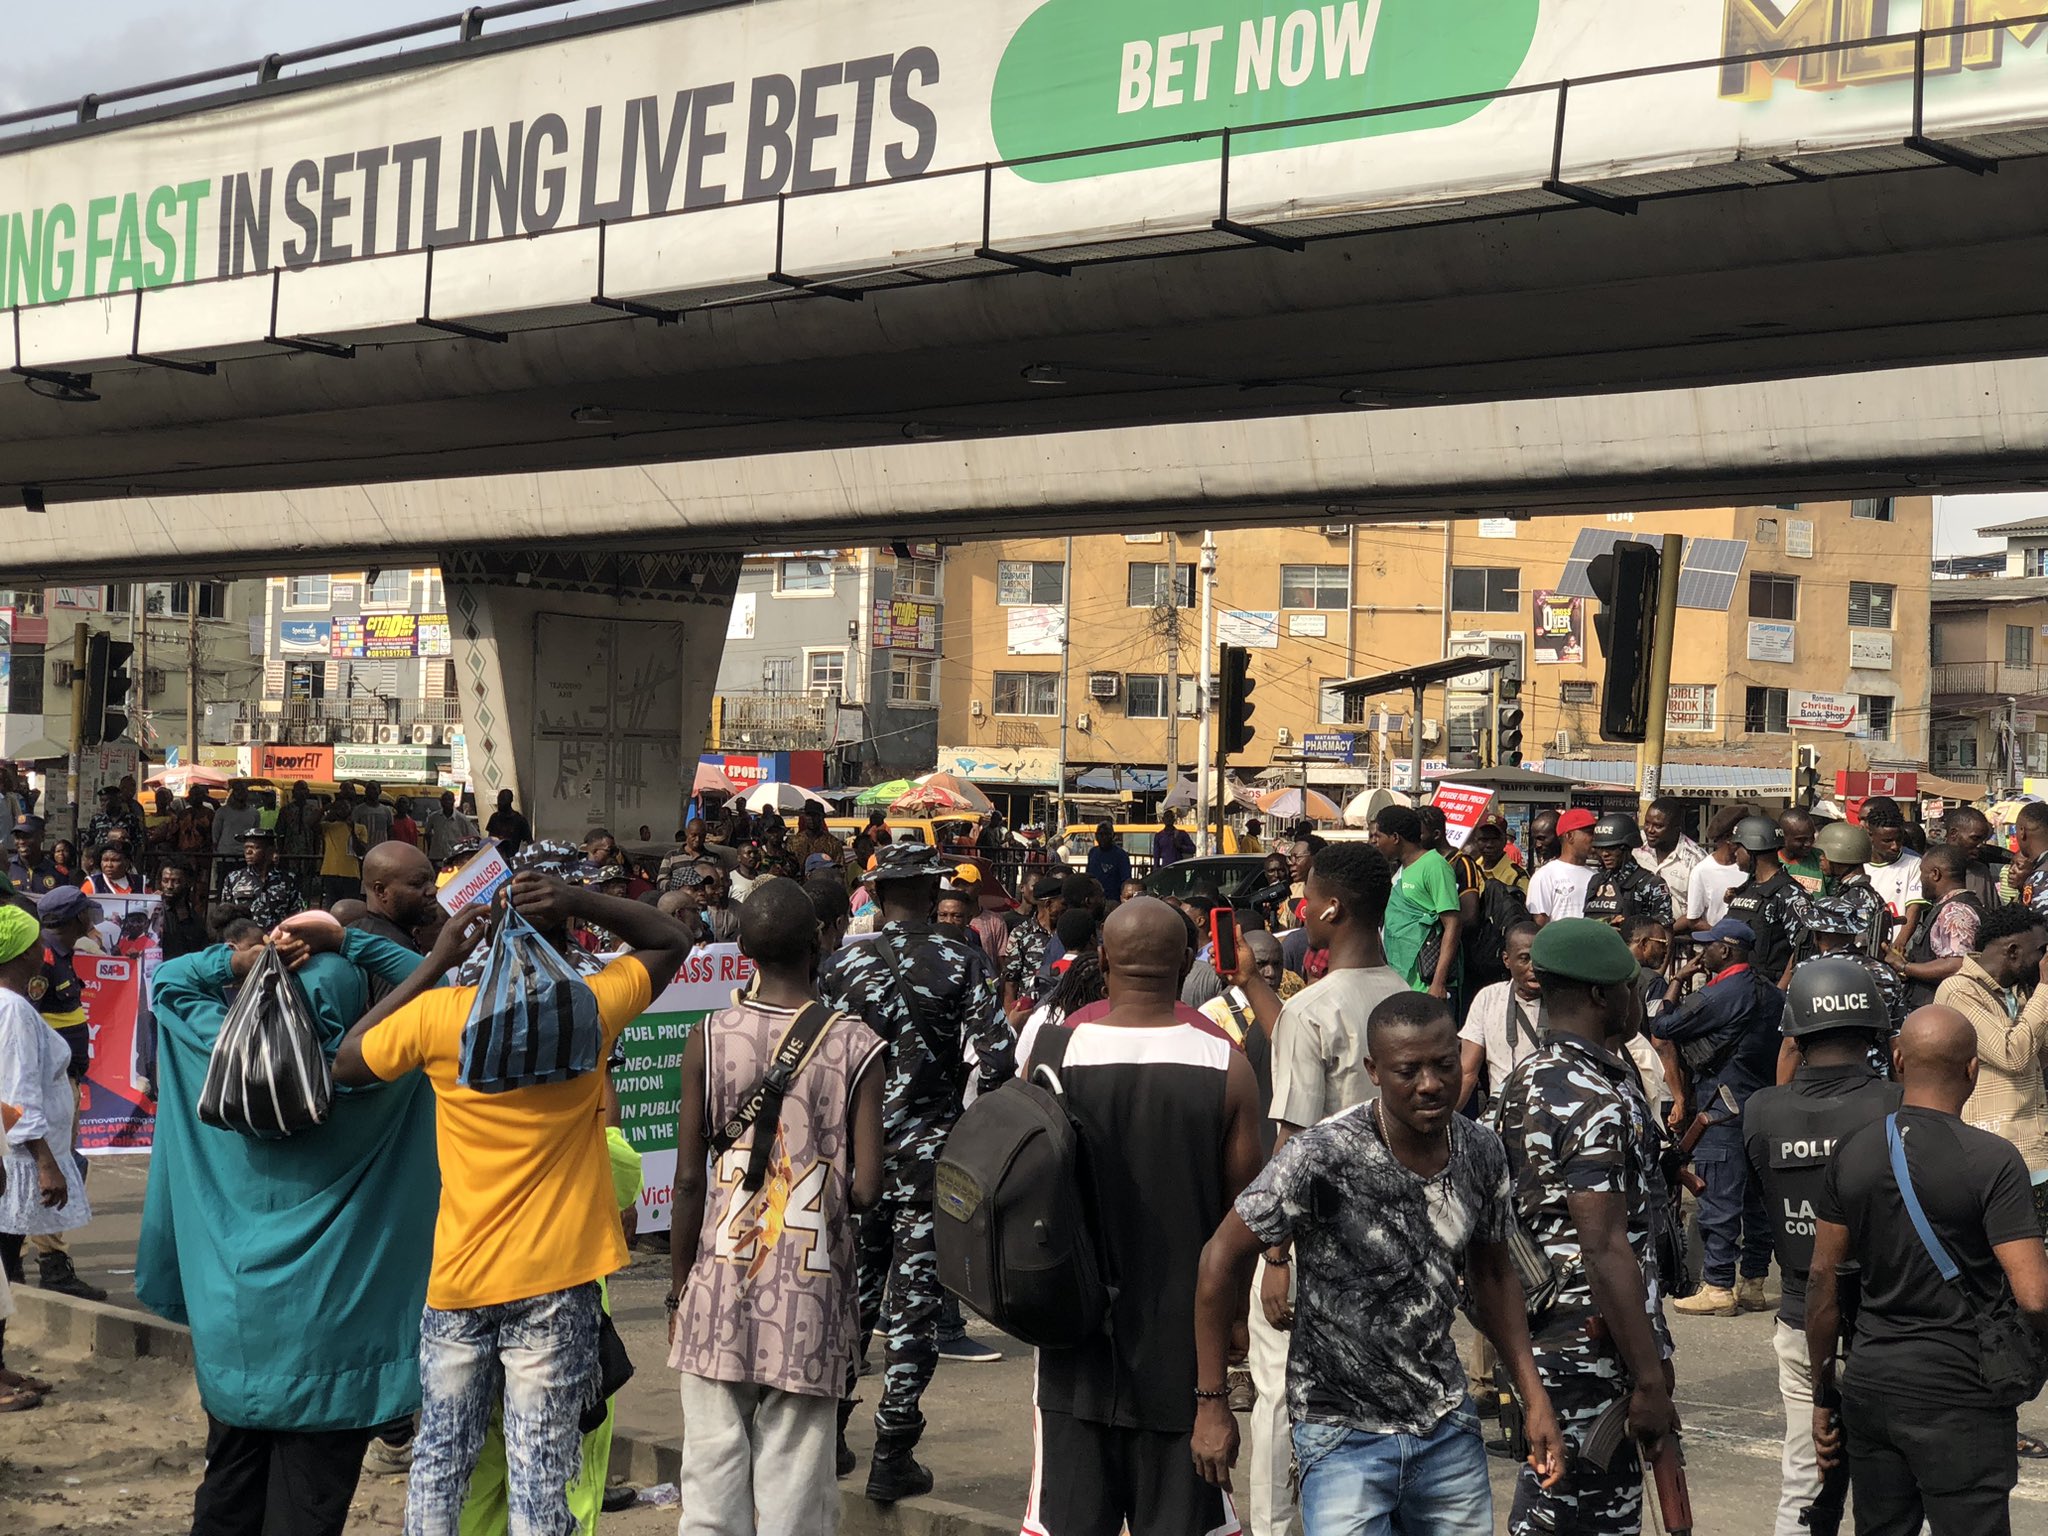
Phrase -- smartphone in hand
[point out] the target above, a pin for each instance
(1223, 940)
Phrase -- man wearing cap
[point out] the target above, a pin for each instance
(1834, 1017)
(31, 869)
(1770, 903)
(930, 997)
(230, 823)
(1558, 889)
(1622, 887)
(259, 887)
(1582, 1150)
(1726, 1036)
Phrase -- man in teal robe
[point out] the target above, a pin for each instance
(300, 1264)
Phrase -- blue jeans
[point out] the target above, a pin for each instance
(1355, 1484)
(537, 1360)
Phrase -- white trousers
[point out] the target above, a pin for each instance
(757, 1462)
(1268, 1440)
(1801, 1469)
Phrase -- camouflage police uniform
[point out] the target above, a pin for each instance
(1630, 891)
(1851, 919)
(268, 898)
(1574, 1120)
(1861, 901)
(957, 1004)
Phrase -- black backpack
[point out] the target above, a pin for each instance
(1501, 906)
(1013, 1211)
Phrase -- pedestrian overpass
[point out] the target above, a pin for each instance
(582, 309)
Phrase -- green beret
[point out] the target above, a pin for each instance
(1579, 949)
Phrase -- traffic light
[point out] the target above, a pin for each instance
(1625, 583)
(1507, 724)
(106, 689)
(1806, 778)
(1235, 690)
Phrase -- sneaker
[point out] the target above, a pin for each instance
(383, 1459)
(1708, 1301)
(54, 1273)
(966, 1351)
(1244, 1396)
(1750, 1296)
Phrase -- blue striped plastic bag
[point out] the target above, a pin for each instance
(534, 1019)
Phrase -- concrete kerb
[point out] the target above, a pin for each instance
(64, 1325)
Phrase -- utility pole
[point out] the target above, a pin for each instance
(1651, 776)
(141, 600)
(78, 690)
(1205, 702)
(192, 674)
(1057, 820)
(1171, 618)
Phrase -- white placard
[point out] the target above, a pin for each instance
(1770, 642)
(1037, 631)
(1254, 631)
(1870, 648)
(1312, 626)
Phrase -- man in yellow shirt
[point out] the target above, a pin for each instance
(512, 1316)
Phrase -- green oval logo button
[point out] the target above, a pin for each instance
(1083, 73)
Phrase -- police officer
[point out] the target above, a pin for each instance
(1833, 926)
(929, 996)
(1835, 1016)
(1582, 1151)
(31, 870)
(1621, 888)
(1844, 850)
(1726, 1034)
(1770, 903)
(259, 887)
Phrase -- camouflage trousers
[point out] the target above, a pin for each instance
(1590, 1501)
(900, 1295)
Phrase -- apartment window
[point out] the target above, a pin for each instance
(116, 599)
(299, 592)
(1146, 586)
(1873, 509)
(437, 595)
(306, 680)
(1486, 589)
(2019, 645)
(1875, 712)
(825, 672)
(1772, 596)
(1145, 696)
(778, 674)
(390, 589)
(213, 598)
(1764, 711)
(1870, 605)
(917, 578)
(1028, 693)
(913, 681)
(2034, 561)
(803, 578)
(1030, 583)
(1315, 586)
(25, 680)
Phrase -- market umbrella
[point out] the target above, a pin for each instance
(883, 794)
(937, 792)
(179, 780)
(712, 780)
(1184, 795)
(1298, 802)
(1367, 805)
(783, 797)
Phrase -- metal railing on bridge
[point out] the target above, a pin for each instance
(362, 721)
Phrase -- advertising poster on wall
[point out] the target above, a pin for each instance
(1560, 628)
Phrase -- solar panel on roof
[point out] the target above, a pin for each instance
(1706, 580)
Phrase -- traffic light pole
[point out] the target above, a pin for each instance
(1205, 701)
(1652, 764)
(78, 691)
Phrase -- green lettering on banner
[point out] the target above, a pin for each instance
(1082, 73)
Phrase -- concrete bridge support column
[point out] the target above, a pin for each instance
(586, 681)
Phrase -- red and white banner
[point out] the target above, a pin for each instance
(1822, 711)
(1464, 807)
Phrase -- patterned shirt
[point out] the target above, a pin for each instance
(1573, 1120)
(1378, 1252)
(1866, 903)
(269, 898)
(1025, 958)
(957, 1005)
(1674, 868)
(102, 829)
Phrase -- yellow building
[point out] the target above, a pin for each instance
(1798, 625)
(1989, 653)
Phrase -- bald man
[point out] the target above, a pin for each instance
(1173, 1115)
(1926, 1437)
(399, 891)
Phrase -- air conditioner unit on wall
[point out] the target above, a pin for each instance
(1336, 530)
(424, 735)
(245, 731)
(1105, 685)
(387, 735)
(1432, 731)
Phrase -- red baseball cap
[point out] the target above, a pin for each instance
(1575, 821)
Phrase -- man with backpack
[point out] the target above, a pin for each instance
(930, 997)
(1493, 895)
(1171, 1118)
(763, 1306)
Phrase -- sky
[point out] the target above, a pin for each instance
(58, 53)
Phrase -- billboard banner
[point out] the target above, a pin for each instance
(681, 136)
(1821, 711)
(1560, 628)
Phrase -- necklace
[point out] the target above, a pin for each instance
(1379, 1119)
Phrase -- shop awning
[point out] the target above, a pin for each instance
(1139, 781)
(1679, 778)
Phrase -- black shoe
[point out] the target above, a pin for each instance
(847, 1460)
(54, 1273)
(896, 1474)
(619, 1496)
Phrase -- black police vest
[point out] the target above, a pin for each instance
(1746, 904)
(1612, 894)
(1800, 1135)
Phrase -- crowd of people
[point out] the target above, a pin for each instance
(1398, 1081)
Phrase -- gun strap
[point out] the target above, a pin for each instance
(763, 1101)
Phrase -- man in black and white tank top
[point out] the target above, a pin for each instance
(1172, 1119)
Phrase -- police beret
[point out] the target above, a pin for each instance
(1579, 949)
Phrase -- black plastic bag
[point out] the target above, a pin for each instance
(268, 1076)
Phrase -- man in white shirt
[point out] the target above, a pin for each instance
(1707, 888)
(1558, 889)
(1505, 1022)
(1667, 852)
(1894, 869)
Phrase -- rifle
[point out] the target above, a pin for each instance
(1667, 1465)
(1678, 1168)
(1824, 1515)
